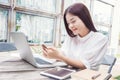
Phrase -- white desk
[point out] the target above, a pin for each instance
(13, 68)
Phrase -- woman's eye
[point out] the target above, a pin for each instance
(73, 21)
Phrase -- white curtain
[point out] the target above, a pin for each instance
(36, 28)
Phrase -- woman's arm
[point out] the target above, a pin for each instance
(55, 54)
(72, 62)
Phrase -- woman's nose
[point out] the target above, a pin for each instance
(70, 26)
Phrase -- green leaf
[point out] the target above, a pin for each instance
(117, 77)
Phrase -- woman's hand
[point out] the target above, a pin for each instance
(51, 53)
(55, 54)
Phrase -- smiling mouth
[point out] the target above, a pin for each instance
(74, 29)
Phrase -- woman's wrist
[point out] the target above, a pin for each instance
(60, 57)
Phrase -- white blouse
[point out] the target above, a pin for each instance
(89, 49)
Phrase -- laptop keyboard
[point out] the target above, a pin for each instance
(40, 61)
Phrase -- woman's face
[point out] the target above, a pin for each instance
(76, 25)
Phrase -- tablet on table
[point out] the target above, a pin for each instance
(58, 73)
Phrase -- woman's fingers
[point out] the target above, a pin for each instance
(52, 48)
(51, 52)
(44, 53)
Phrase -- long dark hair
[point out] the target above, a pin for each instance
(80, 10)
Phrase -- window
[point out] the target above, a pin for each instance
(38, 29)
(45, 5)
(37, 19)
(102, 17)
(4, 1)
(3, 25)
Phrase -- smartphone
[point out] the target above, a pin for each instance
(44, 47)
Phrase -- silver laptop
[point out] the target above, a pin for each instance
(20, 41)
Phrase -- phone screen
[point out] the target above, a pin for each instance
(60, 73)
(44, 47)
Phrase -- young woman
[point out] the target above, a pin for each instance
(84, 47)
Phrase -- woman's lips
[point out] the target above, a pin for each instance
(74, 29)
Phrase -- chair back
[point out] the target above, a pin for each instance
(5, 46)
(110, 61)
